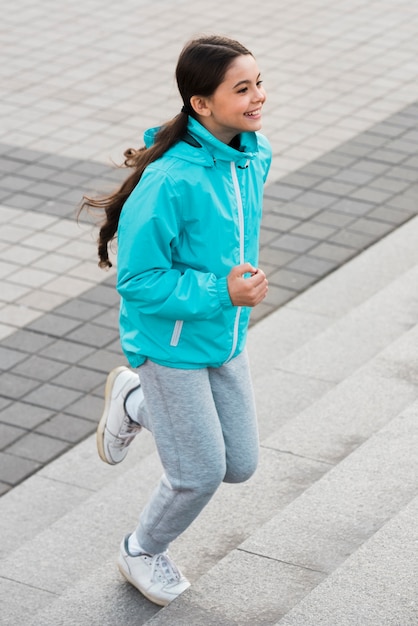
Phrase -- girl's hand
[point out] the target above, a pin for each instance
(247, 291)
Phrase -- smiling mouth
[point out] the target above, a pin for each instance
(255, 113)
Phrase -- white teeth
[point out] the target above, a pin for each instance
(253, 113)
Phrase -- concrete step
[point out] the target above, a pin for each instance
(232, 516)
(368, 399)
(86, 507)
(375, 586)
(271, 572)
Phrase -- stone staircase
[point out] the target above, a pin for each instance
(325, 533)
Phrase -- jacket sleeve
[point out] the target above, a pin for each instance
(149, 229)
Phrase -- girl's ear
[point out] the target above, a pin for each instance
(200, 105)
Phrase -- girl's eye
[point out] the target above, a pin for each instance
(260, 82)
(243, 90)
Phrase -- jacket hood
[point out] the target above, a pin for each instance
(201, 147)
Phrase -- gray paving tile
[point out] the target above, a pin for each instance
(311, 265)
(297, 211)
(296, 281)
(284, 223)
(336, 188)
(371, 227)
(389, 184)
(336, 158)
(79, 378)
(332, 252)
(408, 173)
(320, 169)
(354, 148)
(403, 202)
(370, 167)
(69, 178)
(16, 387)
(93, 335)
(4, 403)
(4, 488)
(103, 360)
(355, 240)
(371, 139)
(316, 200)
(314, 230)
(266, 236)
(294, 243)
(277, 296)
(27, 416)
(39, 368)
(405, 146)
(372, 195)
(387, 156)
(332, 218)
(8, 165)
(23, 201)
(299, 179)
(9, 434)
(15, 183)
(67, 351)
(37, 172)
(352, 206)
(88, 407)
(275, 257)
(354, 176)
(27, 341)
(391, 215)
(67, 428)
(35, 447)
(54, 325)
(275, 221)
(14, 469)
(9, 358)
(386, 130)
(104, 293)
(52, 397)
(87, 311)
(282, 192)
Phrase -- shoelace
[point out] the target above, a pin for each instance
(127, 433)
(164, 569)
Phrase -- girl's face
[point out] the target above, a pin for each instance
(235, 106)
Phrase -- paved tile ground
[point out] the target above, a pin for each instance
(81, 82)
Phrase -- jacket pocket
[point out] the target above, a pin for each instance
(175, 337)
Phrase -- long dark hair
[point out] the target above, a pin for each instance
(201, 68)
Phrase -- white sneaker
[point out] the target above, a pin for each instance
(116, 430)
(156, 577)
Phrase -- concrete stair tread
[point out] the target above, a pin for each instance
(376, 585)
(237, 510)
(293, 478)
(284, 560)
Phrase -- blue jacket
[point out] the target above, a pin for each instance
(193, 216)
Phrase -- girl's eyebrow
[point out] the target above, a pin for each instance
(244, 82)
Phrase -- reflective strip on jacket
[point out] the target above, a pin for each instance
(193, 216)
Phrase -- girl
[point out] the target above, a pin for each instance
(187, 223)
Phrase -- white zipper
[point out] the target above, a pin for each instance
(241, 251)
(175, 337)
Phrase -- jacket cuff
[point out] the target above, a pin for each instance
(223, 293)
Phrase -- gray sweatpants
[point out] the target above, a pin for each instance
(205, 429)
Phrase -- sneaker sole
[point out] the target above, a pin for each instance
(103, 420)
